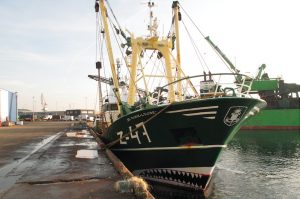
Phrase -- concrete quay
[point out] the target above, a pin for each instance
(38, 160)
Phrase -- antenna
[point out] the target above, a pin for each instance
(118, 61)
(153, 24)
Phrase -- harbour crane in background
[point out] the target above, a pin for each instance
(44, 103)
(274, 91)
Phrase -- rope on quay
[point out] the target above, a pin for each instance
(131, 183)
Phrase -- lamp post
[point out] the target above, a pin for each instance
(33, 108)
(102, 125)
(17, 113)
(98, 67)
(85, 103)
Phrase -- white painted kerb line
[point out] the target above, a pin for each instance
(8, 168)
(6, 180)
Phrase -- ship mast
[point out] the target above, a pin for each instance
(153, 42)
(152, 27)
(110, 53)
(140, 44)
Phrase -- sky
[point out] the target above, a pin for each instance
(49, 47)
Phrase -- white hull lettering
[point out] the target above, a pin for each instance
(135, 134)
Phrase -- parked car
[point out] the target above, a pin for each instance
(57, 117)
(47, 117)
(68, 118)
(27, 117)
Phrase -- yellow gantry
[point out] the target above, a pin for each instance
(140, 44)
(153, 43)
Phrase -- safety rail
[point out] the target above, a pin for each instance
(206, 86)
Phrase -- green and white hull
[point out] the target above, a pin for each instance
(179, 144)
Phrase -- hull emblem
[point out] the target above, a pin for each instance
(234, 114)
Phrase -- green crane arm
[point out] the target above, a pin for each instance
(260, 71)
(238, 77)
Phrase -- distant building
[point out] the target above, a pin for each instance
(77, 112)
(61, 113)
(8, 106)
(25, 113)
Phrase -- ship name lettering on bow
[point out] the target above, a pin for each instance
(135, 135)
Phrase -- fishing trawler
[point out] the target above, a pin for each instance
(165, 126)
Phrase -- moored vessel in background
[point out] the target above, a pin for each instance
(283, 104)
(283, 99)
(163, 125)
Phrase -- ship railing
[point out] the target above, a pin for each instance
(206, 86)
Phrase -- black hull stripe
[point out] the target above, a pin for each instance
(169, 159)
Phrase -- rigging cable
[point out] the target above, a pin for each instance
(124, 57)
(97, 39)
(101, 43)
(164, 72)
(204, 38)
(191, 20)
(97, 94)
(197, 51)
(98, 53)
(152, 70)
(112, 12)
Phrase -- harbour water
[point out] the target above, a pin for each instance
(256, 164)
